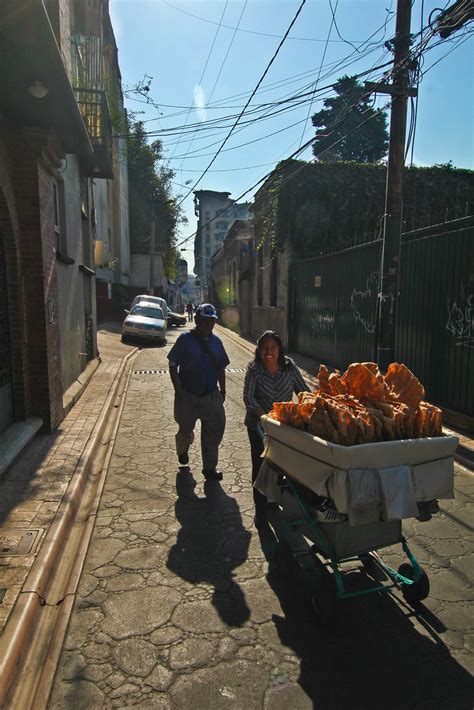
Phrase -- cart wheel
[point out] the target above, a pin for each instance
(414, 593)
(323, 599)
(284, 559)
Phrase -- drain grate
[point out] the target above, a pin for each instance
(150, 372)
(15, 542)
(166, 372)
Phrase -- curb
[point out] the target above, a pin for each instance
(17, 640)
(75, 391)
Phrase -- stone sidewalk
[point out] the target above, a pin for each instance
(32, 489)
(179, 605)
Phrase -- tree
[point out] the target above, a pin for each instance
(348, 128)
(150, 194)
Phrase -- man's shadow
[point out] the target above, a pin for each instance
(211, 543)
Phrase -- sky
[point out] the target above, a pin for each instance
(206, 57)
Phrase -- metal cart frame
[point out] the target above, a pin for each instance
(410, 577)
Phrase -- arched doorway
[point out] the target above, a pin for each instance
(6, 390)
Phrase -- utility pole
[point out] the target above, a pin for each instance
(392, 232)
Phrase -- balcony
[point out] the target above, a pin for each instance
(95, 114)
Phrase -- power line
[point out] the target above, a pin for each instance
(250, 98)
(333, 21)
(252, 32)
(206, 63)
(223, 63)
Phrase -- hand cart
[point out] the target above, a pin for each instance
(305, 466)
(334, 545)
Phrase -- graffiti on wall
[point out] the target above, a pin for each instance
(461, 322)
(323, 322)
(362, 303)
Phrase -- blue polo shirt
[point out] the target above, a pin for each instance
(197, 371)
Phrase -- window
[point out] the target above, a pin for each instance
(260, 277)
(59, 223)
(84, 198)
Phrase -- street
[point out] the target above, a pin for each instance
(179, 604)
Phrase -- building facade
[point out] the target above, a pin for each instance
(55, 148)
(215, 212)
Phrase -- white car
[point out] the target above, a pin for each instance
(151, 299)
(145, 320)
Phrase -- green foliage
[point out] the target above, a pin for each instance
(348, 128)
(317, 208)
(150, 195)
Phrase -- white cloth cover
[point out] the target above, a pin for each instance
(266, 483)
(397, 493)
(363, 494)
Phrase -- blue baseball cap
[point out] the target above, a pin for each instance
(206, 310)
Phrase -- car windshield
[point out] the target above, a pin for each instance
(147, 311)
(151, 299)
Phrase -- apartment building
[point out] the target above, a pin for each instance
(215, 212)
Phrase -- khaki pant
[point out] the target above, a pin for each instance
(210, 410)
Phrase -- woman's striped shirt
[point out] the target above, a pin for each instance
(261, 388)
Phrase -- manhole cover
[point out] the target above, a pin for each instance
(15, 542)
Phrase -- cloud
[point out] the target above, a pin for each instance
(200, 103)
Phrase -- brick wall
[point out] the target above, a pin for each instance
(28, 160)
(9, 225)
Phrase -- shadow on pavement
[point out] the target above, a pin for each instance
(211, 543)
(21, 482)
(371, 656)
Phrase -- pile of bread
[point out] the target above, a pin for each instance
(363, 406)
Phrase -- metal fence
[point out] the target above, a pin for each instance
(333, 319)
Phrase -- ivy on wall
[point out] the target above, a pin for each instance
(321, 207)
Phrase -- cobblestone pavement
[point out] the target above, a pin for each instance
(32, 489)
(179, 607)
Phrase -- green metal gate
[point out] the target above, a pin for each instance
(333, 301)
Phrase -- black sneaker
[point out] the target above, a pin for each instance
(210, 474)
(183, 459)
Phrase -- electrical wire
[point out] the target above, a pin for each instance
(333, 21)
(267, 69)
(252, 32)
(207, 60)
(222, 65)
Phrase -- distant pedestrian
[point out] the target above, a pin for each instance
(197, 366)
(190, 311)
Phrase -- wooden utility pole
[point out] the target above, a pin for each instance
(390, 267)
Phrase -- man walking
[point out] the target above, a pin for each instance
(189, 311)
(197, 366)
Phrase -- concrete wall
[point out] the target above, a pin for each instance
(140, 272)
(70, 279)
(256, 318)
(124, 214)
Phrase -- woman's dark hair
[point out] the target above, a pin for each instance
(274, 336)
